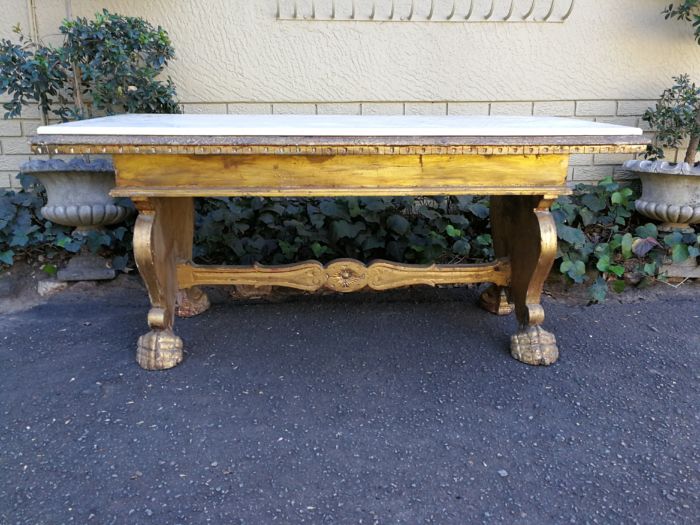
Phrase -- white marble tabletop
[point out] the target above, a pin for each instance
(335, 126)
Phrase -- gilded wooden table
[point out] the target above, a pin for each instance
(163, 161)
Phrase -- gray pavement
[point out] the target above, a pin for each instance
(402, 407)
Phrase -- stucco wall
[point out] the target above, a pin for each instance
(607, 61)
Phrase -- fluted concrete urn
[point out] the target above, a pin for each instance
(78, 195)
(670, 194)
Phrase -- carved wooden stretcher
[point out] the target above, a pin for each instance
(163, 161)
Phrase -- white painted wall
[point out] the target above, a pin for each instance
(607, 62)
(235, 50)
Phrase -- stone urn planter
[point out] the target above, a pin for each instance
(670, 194)
(78, 195)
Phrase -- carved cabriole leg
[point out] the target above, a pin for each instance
(526, 231)
(158, 243)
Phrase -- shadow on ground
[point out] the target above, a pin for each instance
(402, 407)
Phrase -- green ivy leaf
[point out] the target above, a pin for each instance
(319, 250)
(673, 239)
(599, 290)
(679, 253)
(119, 233)
(19, 239)
(577, 271)
(647, 230)
(343, 229)
(458, 220)
(603, 263)
(484, 239)
(289, 250)
(626, 245)
(373, 243)
(479, 210)
(428, 213)
(452, 231)
(317, 220)
(594, 202)
(68, 244)
(616, 269)
(571, 235)
(7, 257)
(398, 223)
(354, 207)
(49, 269)
(331, 208)
(461, 247)
(618, 286)
(587, 216)
(650, 268)
(375, 204)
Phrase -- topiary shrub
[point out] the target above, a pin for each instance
(107, 65)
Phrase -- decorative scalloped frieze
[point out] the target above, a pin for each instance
(553, 11)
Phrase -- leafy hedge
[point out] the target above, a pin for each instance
(602, 241)
(277, 231)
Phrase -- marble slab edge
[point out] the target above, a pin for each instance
(175, 140)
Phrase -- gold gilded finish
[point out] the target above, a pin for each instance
(385, 191)
(191, 302)
(345, 275)
(308, 276)
(495, 300)
(384, 275)
(162, 174)
(303, 176)
(534, 346)
(523, 230)
(496, 149)
(162, 236)
(159, 350)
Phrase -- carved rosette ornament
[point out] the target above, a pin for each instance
(346, 275)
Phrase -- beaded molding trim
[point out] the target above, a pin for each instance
(160, 149)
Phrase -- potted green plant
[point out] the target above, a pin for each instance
(671, 190)
(106, 65)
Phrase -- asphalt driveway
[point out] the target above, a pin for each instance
(402, 407)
